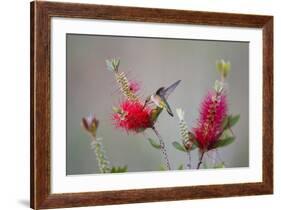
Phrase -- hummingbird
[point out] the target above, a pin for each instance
(159, 98)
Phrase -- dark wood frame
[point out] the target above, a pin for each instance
(41, 14)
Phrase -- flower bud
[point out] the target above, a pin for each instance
(180, 113)
(223, 68)
(90, 124)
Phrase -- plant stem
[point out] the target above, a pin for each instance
(188, 160)
(162, 147)
(200, 160)
(214, 158)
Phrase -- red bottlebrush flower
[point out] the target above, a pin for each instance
(134, 86)
(132, 116)
(213, 110)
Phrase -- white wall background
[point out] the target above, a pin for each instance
(14, 92)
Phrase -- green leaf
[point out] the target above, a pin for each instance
(224, 142)
(180, 167)
(163, 168)
(194, 146)
(226, 134)
(225, 122)
(178, 146)
(154, 143)
(229, 121)
(233, 120)
(205, 166)
(112, 170)
(113, 64)
(220, 165)
(119, 169)
(195, 143)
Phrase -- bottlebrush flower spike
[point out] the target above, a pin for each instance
(103, 162)
(124, 86)
(186, 136)
(90, 124)
(209, 126)
(121, 78)
(132, 116)
(183, 126)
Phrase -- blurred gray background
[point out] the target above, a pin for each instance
(154, 62)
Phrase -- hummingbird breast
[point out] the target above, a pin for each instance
(157, 100)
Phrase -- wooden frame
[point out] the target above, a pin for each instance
(41, 14)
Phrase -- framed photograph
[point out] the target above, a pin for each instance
(136, 105)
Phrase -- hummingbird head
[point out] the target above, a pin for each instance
(160, 91)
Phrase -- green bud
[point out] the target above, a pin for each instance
(223, 68)
(113, 64)
(116, 110)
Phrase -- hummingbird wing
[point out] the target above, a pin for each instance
(163, 93)
(167, 91)
(165, 104)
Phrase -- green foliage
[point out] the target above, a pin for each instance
(119, 169)
(233, 120)
(182, 148)
(227, 135)
(194, 146)
(225, 122)
(230, 121)
(223, 67)
(113, 64)
(220, 165)
(195, 143)
(154, 144)
(224, 142)
(179, 146)
(163, 168)
(180, 167)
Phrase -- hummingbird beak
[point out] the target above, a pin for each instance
(144, 104)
